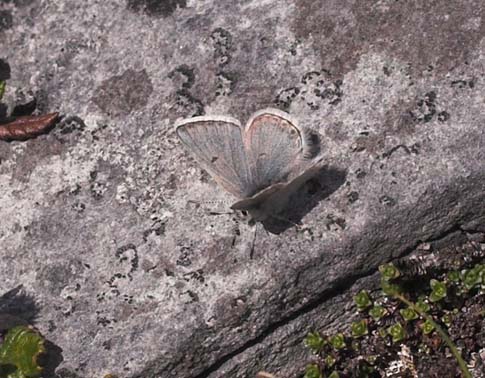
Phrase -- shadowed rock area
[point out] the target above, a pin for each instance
(107, 222)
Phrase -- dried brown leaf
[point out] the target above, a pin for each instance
(22, 128)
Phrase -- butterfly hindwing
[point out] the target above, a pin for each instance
(275, 146)
(217, 144)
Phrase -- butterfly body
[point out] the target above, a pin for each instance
(261, 164)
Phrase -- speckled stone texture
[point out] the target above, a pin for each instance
(107, 240)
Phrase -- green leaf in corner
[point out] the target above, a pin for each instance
(19, 353)
(2, 88)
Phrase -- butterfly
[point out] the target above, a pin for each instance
(261, 164)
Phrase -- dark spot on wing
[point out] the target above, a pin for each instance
(214, 159)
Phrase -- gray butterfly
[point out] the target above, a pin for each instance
(261, 164)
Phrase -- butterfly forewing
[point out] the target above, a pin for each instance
(217, 144)
(274, 147)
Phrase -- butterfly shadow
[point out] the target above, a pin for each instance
(319, 187)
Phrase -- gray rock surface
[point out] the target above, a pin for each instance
(106, 220)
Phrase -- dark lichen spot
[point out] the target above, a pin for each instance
(222, 41)
(225, 83)
(318, 88)
(443, 116)
(182, 76)
(97, 190)
(430, 97)
(4, 70)
(425, 108)
(6, 20)
(188, 103)
(310, 76)
(353, 196)
(335, 223)
(162, 8)
(157, 229)
(127, 253)
(193, 296)
(120, 95)
(197, 275)
(460, 84)
(389, 153)
(388, 201)
(359, 173)
(184, 258)
(79, 207)
(71, 124)
(286, 96)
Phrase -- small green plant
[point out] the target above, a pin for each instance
(397, 332)
(377, 312)
(438, 290)
(422, 305)
(313, 371)
(388, 288)
(315, 342)
(337, 341)
(353, 343)
(447, 319)
(408, 314)
(472, 277)
(453, 276)
(330, 360)
(362, 300)
(389, 272)
(428, 327)
(359, 329)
